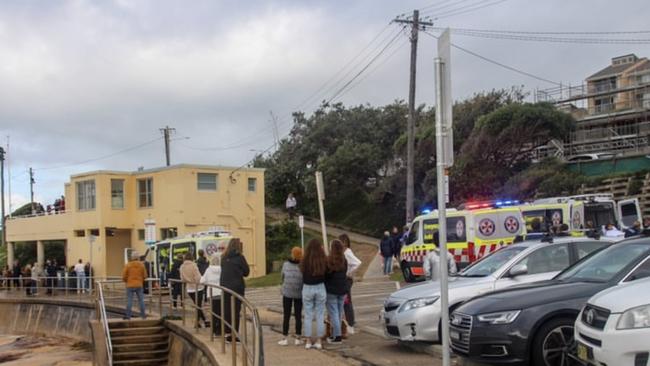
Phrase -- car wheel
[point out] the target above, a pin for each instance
(553, 343)
(407, 274)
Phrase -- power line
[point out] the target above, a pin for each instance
(544, 32)
(101, 157)
(499, 63)
(532, 38)
(467, 9)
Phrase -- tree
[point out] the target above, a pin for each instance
(501, 145)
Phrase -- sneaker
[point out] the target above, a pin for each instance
(336, 340)
(308, 345)
(297, 342)
(350, 329)
(284, 342)
(318, 345)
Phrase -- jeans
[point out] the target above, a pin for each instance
(335, 310)
(349, 308)
(313, 300)
(81, 281)
(287, 302)
(138, 291)
(388, 265)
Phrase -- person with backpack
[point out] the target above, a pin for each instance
(176, 286)
(336, 287)
(386, 251)
(292, 296)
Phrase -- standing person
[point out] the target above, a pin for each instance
(633, 230)
(80, 272)
(133, 275)
(36, 273)
(89, 279)
(234, 268)
(431, 262)
(27, 279)
(175, 274)
(203, 264)
(50, 272)
(291, 204)
(314, 295)
(191, 276)
(16, 273)
(212, 276)
(386, 251)
(336, 287)
(353, 265)
(292, 296)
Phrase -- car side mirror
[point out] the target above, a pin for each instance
(518, 270)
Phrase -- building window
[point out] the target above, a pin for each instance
(168, 233)
(80, 233)
(86, 195)
(140, 234)
(117, 193)
(206, 181)
(145, 192)
(94, 232)
(252, 184)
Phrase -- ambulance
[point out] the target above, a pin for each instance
(213, 242)
(473, 230)
(578, 211)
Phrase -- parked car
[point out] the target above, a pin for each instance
(614, 327)
(533, 324)
(413, 313)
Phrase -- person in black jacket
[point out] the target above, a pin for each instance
(234, 268)
(386, 249)
(336, 286)
(175, 274)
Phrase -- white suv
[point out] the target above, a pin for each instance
(614, 327)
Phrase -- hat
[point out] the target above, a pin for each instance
(296, 253)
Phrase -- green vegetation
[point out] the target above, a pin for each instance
(361, 152)
(397, 276)
(271, 279)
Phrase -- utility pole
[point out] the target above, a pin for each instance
(167, 132)
(8, 177)
(2, 194)
(31, 189)
(416, 25)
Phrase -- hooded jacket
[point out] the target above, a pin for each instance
(233, 270)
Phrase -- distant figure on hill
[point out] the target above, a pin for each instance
(291, 205)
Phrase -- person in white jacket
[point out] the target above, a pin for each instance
(211, 276)
(353, 265)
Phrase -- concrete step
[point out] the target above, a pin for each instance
(139, 338)
(145, 346)
(119, 323)
(139, 355)
(116, 332)
(145, 362)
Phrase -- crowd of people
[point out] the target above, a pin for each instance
(33, 276)
(391, 245)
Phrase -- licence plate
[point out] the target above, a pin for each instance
(454, 335)
(584, 352)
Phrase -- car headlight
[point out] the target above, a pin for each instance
(502, 317)
(638, 317)
(418, 303)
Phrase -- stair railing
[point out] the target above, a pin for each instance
(101, 310)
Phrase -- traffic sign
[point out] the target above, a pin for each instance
(150, 231)
(301, 221)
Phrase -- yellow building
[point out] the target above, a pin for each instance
(112, 207)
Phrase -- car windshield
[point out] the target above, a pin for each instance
(492, 262)
(606, 264)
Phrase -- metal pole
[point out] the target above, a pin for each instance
(302, 238)
(2, 196)
(31, 189)
(233, 335)
(410, 128)
(442, 214)
(243, 337)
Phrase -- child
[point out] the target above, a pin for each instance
(292, 295)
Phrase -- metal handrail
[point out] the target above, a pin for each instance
(253, 353)
(101, 307)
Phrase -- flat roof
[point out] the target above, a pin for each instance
(171, 167)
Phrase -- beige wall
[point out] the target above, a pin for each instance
(176, 203)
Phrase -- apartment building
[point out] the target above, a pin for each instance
(109, 209)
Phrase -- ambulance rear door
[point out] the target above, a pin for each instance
(577, 215)
(628, 212)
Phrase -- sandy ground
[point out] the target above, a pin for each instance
(41, 351)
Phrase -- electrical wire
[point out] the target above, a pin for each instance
(544, 32)
(100, 157)
(525, 73)
(532, 38)
(467, 9)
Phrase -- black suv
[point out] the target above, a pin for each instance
(533, 324)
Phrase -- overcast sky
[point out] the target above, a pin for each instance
(81, 80)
